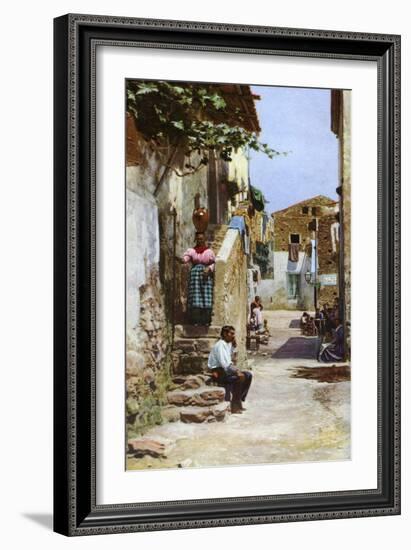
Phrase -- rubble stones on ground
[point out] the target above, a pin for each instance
(151, 447)
(185, 463)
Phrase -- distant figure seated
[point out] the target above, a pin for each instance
(255, 303)
(310, 328)
(334, 351)
(256, 320)
(221, 363)
(303, 321)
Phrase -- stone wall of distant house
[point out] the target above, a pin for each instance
(295, 219)
(286, 224)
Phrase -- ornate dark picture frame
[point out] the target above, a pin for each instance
(75, 41)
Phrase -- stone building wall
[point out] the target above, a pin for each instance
(328, 257)
(341, 126)
(346, 203)
(147, 330)
(150, 272)
(230, 291)
(153, 275)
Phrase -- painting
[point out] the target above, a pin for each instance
(237, 275)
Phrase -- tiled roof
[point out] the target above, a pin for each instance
(240, 109)
(318, 200)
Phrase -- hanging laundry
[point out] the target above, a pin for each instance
(257, 198)
(293, 249)
(237, 222)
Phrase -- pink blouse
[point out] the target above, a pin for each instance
(206, 258)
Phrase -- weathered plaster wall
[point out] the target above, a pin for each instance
(279, 286)
(147, 328)
(147, 343)
(238, 169)
(266, 289)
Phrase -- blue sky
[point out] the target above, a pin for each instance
(295, 120)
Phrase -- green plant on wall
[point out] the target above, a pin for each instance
(191, 118)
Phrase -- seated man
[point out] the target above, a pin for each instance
(220, 361)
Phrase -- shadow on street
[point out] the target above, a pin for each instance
(297, 347)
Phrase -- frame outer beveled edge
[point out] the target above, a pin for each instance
(73, 20)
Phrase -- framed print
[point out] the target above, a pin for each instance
(227, 277)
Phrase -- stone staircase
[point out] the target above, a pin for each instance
(216, 236)
(195, 398)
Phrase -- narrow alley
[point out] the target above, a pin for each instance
(297, 410)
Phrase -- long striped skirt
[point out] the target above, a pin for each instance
(200, 295)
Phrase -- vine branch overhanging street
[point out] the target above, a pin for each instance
(191, 118)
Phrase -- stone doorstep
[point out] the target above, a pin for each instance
(190, 331)
(197, 415)
(200, 397)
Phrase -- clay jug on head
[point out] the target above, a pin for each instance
(200, 219)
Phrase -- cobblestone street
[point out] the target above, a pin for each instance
(297, 410)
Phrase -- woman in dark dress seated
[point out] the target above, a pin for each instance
(335, 350)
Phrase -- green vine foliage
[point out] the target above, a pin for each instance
(190, 117)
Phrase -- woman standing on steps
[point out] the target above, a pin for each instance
(201, 281)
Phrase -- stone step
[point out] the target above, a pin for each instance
(197, 415)
(192, 363)
(191, 382)
(188, 345)
(198, 397)
(191, 331)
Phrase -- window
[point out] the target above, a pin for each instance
(294, 238)
(314, 210)
(305, 209)
(293, 286)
